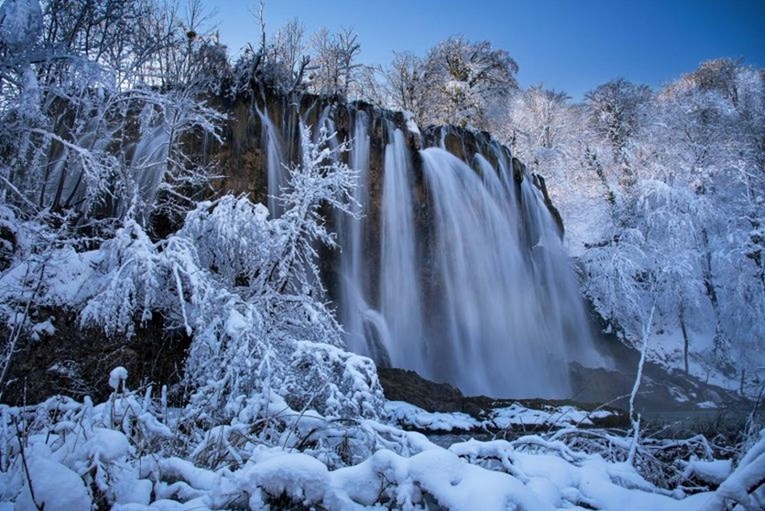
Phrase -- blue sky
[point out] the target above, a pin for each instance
(570, 45)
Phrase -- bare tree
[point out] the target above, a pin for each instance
(286, 59)
(407, 80)
(335, 57)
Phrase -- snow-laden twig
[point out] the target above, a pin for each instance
(634, 416)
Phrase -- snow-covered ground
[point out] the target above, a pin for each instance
(132, 453)
(407, 415)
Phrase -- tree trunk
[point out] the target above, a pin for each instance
(708, 284)
(720, 348)
(685, 339)
(741, 383)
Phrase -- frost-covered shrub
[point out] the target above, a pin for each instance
(132, 282)
(346, 383)
(8, 236)
(234, 239)
(246, 289)
(131, 452)
(75, 454)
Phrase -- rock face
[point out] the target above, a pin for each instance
(455, 269)
(76, 362)
(403, 385)
(243, 156)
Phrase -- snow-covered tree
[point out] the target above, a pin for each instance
(408, 85)
(616, 112)
(81, 88)
(683, 177)
(335, 59)
(246, 289)
(467, 80)
(281, 62)
(541, 128)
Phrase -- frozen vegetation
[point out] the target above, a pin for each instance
(109, 217)
(134, 452)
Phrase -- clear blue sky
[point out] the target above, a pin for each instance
(570, 45)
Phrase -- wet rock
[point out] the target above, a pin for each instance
(404, 385)
(408, 386)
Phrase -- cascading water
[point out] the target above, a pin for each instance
(557, 286)
(469, 285)
(276, 174)
(149, 163)
(353, 305)
(490, 315)
(71, 181)
(400, 295)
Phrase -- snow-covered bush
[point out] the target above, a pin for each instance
(89, 142)
(62, 454)
(130, 453)
(246, 289)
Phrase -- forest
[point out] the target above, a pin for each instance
(215, 268)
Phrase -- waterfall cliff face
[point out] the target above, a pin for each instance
(454, 267)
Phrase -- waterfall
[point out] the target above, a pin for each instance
(148, 165)
(490, 317)
(74, 181)
(451, 268)
(400, 296)
(353, 306)
(276, 175)
(555, 279)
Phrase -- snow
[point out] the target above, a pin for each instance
(515, 415)
(55, 487)
(67, 275)
(117, 377)
(78, 453)
(411, 124)
(459, 485)
(410, 415)
(586, 480)
(107, 445)
(180, 469)
(742, 482)
(20, 22)
(301, 477)
(236, 324)
(43, 329)
(714, 472)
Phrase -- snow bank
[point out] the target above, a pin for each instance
(515, 415)
(745, 485)
(412, 416)
(78, 453)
